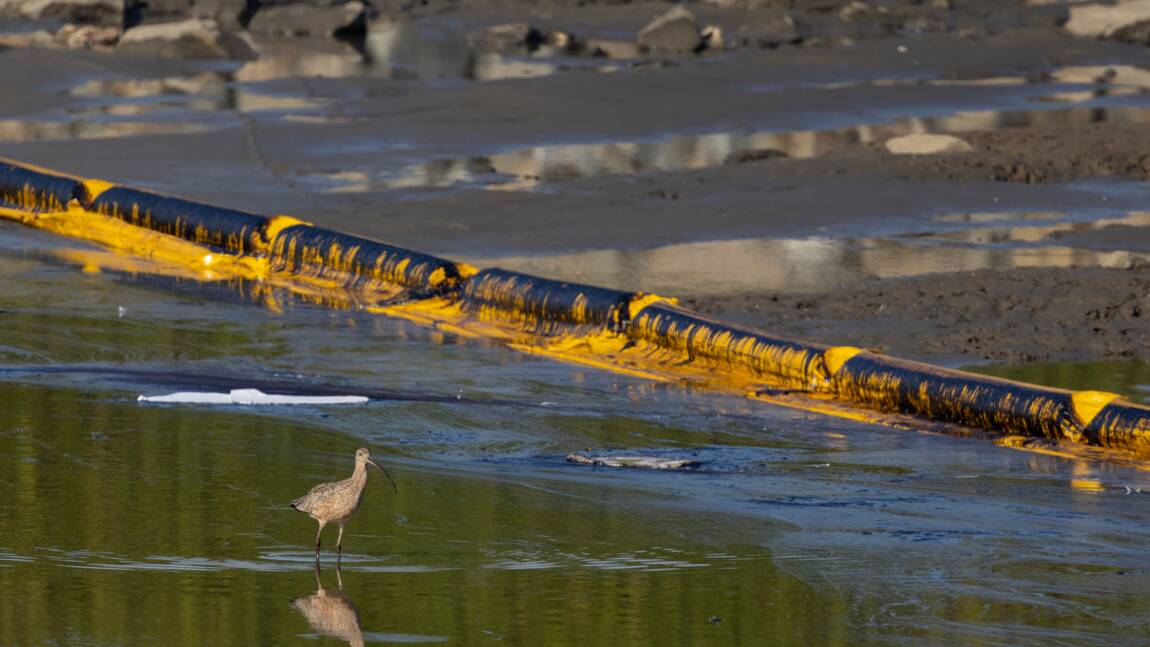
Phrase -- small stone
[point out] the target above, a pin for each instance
(770, 33)
(1138, 33)
(752, 155)
(480, 165)
(196, 38)
(924, 144)
(855, 11)
(507, 38)
(1099, 20)
(87, 37)
(563, 41)
(674, 32)
(712, 37)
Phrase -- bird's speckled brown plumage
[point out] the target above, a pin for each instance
(337, 501)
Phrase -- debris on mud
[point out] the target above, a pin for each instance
(642, 462)
(926, 144)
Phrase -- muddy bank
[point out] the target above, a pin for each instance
(625, 173)
(1043, 153)
(1022, 315)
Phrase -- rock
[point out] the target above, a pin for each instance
(196, 38)
(1138, 33)
(344, 21)
(674, 32)
(924, 144)
(1101, 21)
(515, 37)
(753, 155)
(770, 32)
(114, 13)
(521, 38)
(712, 37)
(612, 48)
(480, 165)
(565, 41)
(856, 11)
(87, 37)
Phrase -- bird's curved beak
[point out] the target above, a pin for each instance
(385, 474)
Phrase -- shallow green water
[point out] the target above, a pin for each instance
(144, 525)
(1130, 378)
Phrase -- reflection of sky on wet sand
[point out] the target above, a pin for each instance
(824, 263)
(1104, 80)
(197, 101)
(530, 168)
(114, 108)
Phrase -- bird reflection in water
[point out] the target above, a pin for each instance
(331, 612)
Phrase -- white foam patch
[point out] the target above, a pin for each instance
(251, 397)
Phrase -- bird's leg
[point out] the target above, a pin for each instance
(317, 542)
(339, 545)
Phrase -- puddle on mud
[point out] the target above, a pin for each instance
(1101, 81)
(534, 167)
(200, 101)
(113, 108)
(824, 263)
(1130, 378)
(143, 524)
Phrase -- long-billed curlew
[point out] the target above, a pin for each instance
(337, 501)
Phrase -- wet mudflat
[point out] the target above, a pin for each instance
(132, 523)
(765, 191)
